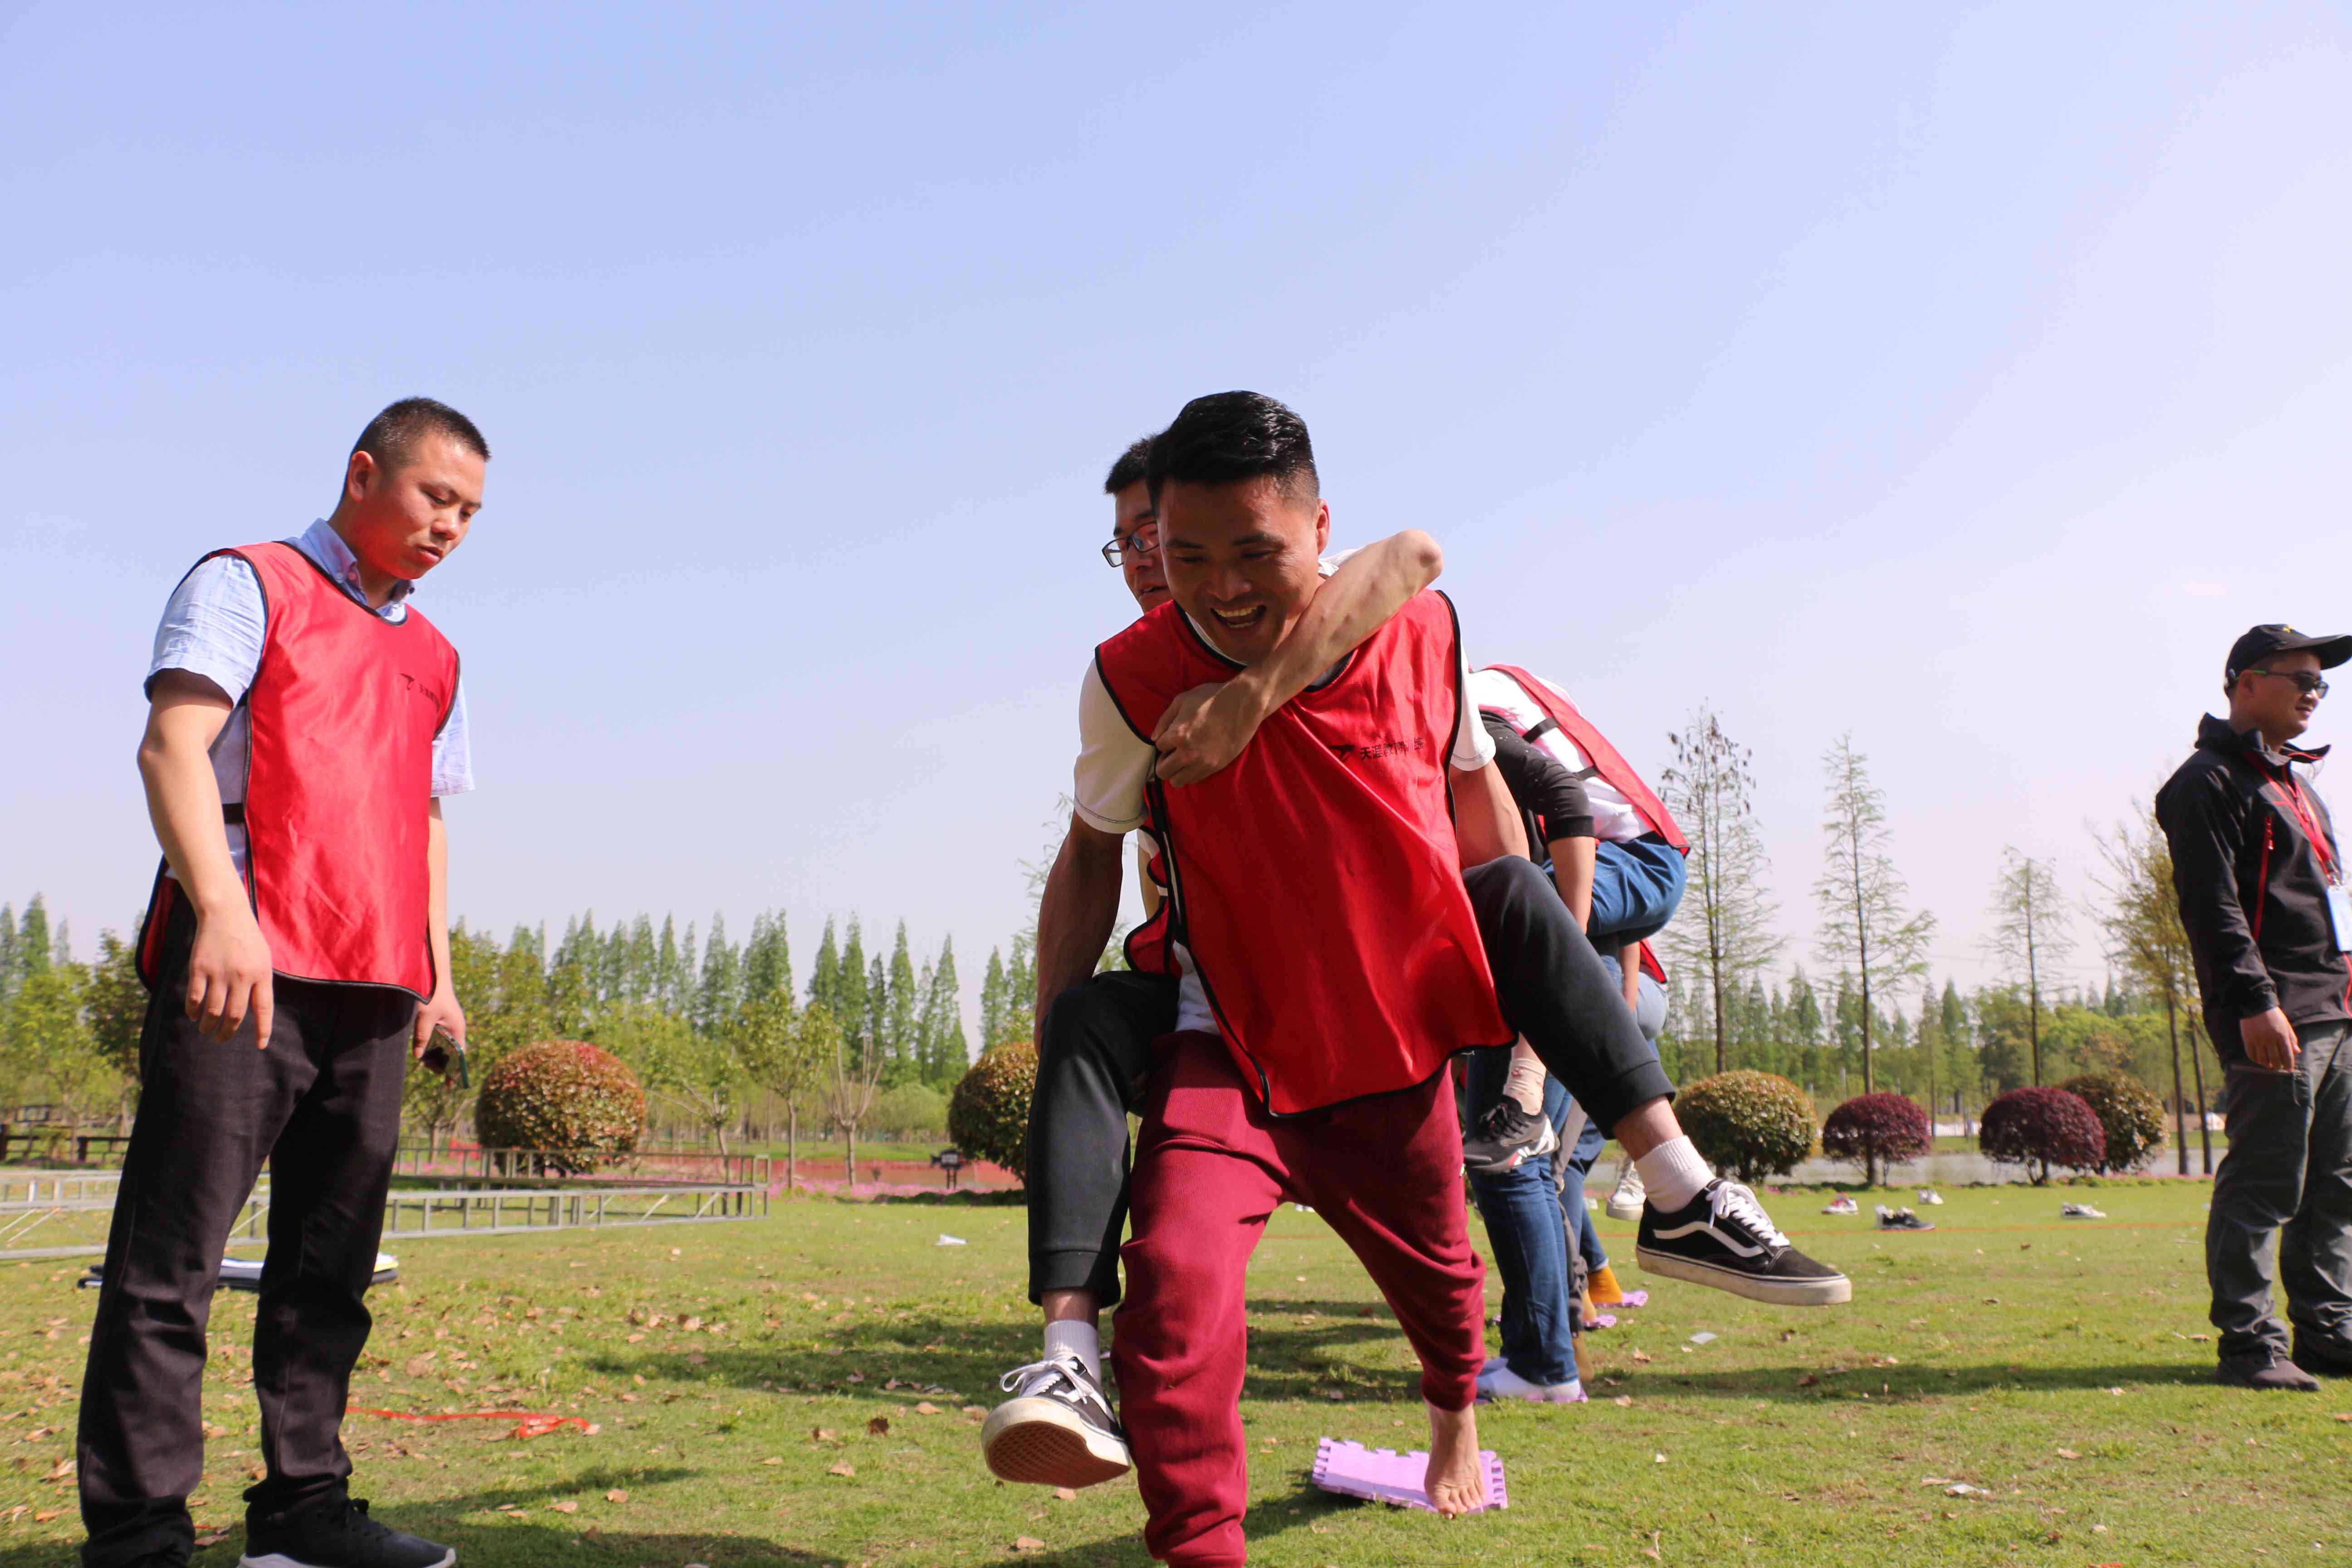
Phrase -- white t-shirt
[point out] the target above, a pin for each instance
(1614, 820)
(1115, 764)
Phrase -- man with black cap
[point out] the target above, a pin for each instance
(2264, 898)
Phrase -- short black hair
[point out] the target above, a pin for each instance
(391, 436)
(1130, 468)
(1229, 436)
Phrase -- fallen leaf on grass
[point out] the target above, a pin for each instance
(878, 1427)
(1641, 1356)
(976, 1412)
(1963, 1488)
(1027, 1544)
(925, 1407)
(617, 1495)
(565, 1506)
(47, 1514)
(1065, 1494)
(857, 1377)
(821, 1435)
(62, 1471)
(2068, 1454)
(13, 1514)
(1807, 1380)
(843, 1467)
(212, 1538)
(1622, 1400)
(418, 1366)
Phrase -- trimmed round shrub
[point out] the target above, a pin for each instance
(567, 1098)
(2039, 1127)
(1876, 1130)
(2129, 1113)
(988, 1116)
(1752, 1124)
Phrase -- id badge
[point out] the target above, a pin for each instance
(2339, 915)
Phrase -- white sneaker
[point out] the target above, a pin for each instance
(1841, 1204)
(1625, 1203)
(1058, 1429)
(2080, 1211)
(1930, 1195)
(1499, 1382)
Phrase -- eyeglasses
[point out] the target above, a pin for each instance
(2307, 683)
(1118, 549)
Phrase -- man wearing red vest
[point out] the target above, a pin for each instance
(303, 721)
(1332, 954)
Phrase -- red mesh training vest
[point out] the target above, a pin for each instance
(339, 788)
(1315, 880)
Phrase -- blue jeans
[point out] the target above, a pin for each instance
(1636, 886)
(1531, 1212)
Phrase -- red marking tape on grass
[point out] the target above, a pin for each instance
(529, 1424)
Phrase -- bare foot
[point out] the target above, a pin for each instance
(1457, 1482)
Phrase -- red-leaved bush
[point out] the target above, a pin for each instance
(1874, 1131)
(565, 1097)
(2039, 1127)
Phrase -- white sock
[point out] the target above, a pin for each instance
(1526, 1084)
(1076, 1336)
(1673, 1174)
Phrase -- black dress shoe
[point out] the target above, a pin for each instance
(2264, 1369)
(2322, 1358)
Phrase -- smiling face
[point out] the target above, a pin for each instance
(2274, 703)
(403, 523)
(1135, 523)
(1243, 558)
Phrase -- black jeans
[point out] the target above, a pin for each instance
(1094, 1057)
(1556, 990)
(1097, 1050)
(321, 1105)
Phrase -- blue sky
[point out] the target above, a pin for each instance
(1965, 378)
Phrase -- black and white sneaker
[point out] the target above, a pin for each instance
(336, 1534)
(1901, 1219)
(1506, 1137)
(1723, 1238)
(1058, 1429)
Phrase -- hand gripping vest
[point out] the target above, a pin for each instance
(1315, 881)
(338, 789)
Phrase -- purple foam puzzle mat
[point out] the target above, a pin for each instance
(1383, 1475)
(1634, 1298)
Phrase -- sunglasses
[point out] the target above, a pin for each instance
(2307, 683)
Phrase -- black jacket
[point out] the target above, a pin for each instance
(2253, 891)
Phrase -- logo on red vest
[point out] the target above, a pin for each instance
(1348, 752)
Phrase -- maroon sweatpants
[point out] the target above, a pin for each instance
(1210, 1165)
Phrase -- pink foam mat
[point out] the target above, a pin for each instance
(1383, 1475)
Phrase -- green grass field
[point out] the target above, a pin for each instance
(798, 1391)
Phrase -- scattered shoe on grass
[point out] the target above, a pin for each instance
(2080, 1211)
(1841, 1205)
(1930, 1195)
(1499, 1382)
(1900, 1219)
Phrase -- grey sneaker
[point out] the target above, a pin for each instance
(2321, 1359)
(1058, 1429)
(2264, 1369)
(1625, 1203)
(1506, 1137)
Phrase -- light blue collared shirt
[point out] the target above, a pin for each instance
(214, 628)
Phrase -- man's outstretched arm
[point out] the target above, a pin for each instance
(1206, 727)
(1076, 915)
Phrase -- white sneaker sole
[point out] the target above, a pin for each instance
(1628, 1211)
(279, 1560)
(1830, 1292)
(1044, 1443)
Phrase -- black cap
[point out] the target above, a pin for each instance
(2262, 642)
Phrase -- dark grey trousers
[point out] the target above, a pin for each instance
(2288, 1171)
(322, 1105)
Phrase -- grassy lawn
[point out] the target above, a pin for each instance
(795, 1391)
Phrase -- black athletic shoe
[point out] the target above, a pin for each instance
(2321, 1359)
(336, 1534)
(1058, 1429)
(1900, 1219)
(1724, 1238)
(1506, 1137)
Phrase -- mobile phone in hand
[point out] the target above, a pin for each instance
(443, 1052)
